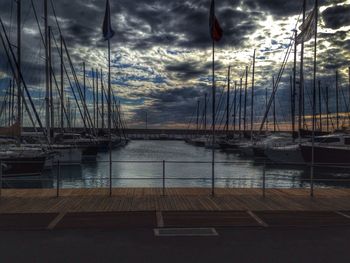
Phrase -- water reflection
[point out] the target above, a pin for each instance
(243, 173)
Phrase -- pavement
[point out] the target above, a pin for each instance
(233, 244)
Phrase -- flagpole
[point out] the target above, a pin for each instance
(213, 125)
(109, 118)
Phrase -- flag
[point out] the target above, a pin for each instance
(107, 30)
(214, 26)
(307, 28)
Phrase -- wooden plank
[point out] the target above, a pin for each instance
(133, 199)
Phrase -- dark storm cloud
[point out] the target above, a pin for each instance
(161, 22)
(337, 16)
(174, 105)
(191, 70)
(284, 8)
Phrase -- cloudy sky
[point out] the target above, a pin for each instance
(161, 52)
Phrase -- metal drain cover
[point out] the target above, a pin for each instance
(177, 232)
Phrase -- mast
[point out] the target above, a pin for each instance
(102, 102)
(93, 97)
(337, 97)
(84, 89)
(301, 80)
(213, 125)
(109, 116)
(252, 100)
(267, 116)
(146, 121)
(319, 103)
(240, 107)
(97, 95)
(234, 108)
(205, 113)
(13, 102)
(327, 109)
(294, 88)
(291, 104)
(19, 58)
(52, 106)
(47, 94)
(245, 98)
(314, 102)
(228, 101)
(9, 104)
(274, 104)
(197, 122)
(62, 86)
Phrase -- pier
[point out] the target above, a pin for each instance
(177, 207)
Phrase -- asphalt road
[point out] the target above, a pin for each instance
(254, 244)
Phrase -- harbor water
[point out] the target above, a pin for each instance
(140, 164)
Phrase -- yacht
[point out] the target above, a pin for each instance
(328, 150)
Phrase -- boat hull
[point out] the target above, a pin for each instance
(326, 155)
(22, 166)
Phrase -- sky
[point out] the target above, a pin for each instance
(162, 51)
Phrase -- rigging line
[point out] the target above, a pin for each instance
(21, 77)
(53, 73)
(91, 127)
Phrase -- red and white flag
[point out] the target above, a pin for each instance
(214, 26)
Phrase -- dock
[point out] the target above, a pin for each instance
(178, 199)
(176, 207)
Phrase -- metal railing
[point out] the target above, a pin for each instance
(57, 178)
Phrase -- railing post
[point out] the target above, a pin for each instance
(58, 175)
(0, 178)
(264, 180)
(163, 177)
(312, 180)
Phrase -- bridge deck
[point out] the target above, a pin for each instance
(176, 199)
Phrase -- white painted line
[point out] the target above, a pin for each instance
(160, 221)
(257, 219)
(185, 232)
(56, 221)
(342, 214)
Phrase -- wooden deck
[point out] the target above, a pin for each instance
(175, 199)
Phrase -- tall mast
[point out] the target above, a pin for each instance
(102, 102)
(84, 90)
(320, 103)
(228, 101)
(62, 87)
(252, 100)
(97, 94)
(294, 88)
(314, 102)
(93, 97)
(301, 80)
(274, 104)
(291, 104)
(47, 93)
(19, 46)
(240, 107)
(267, 116)
(234, 108)
(52, 106)
(9, 103)
(245, 98)
(337, 98)
(327, 109)
(205, 112)
(197, 122)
